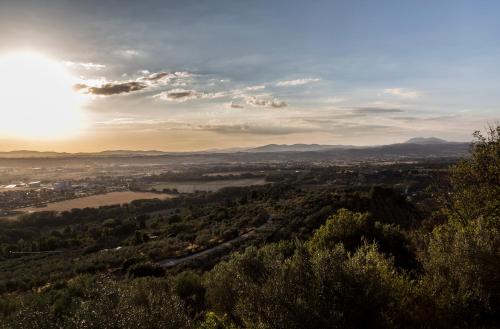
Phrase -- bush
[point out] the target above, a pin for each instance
(290, 286)
(99, 302)
(188, 286)
(145, 269)
(352, 229)
(462, 271)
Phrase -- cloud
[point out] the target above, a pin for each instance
(253, 88)
(296, 82)
(234, 105)
(175, 87)
(148, 80)
(158, 76)
(375, 110)
(129, 53)
(111, 88)
(180, 95)
(294, 127)
(413, 119)
(163, 76)
(275, 103)
(87, 66)
(226, 128)
(402, 92)
(247, 129)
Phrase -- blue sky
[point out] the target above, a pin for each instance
(256, 72)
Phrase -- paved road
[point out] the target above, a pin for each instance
(171, 262)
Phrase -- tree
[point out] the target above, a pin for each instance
(475, 182)
(352, 229)
(145, 269)
(343, 227)
(463, 255)
(212, 321)
(287, 285)
(188, 286)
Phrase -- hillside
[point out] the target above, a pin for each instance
(426, 141)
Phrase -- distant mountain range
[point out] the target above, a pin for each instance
(297, 148)
(414, 147)
(50, 154)
(319, 147)
(427, 141)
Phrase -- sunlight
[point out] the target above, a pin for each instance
(37, 100)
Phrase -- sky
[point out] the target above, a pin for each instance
(194, 75)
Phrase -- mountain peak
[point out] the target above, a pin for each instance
(426, 140)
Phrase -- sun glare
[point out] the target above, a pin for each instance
(37, 99)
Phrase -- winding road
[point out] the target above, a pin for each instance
(173, 261)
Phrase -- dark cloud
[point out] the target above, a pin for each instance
(180, 95)
(111, 88)
(141, 83)
(158, 76)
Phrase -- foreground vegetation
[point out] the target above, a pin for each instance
(335, 258)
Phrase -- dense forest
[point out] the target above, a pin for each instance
(318, 257)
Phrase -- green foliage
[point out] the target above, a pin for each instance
(351, 229)
(145, 269)
(344, 227)
(98, 302)
(290, 286)
(212, 321)
(389, 206)
(188, 286)
(462, 270)
(463, 256)
(475, 182)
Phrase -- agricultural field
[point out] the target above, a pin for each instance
(208, 186)
(98, 200)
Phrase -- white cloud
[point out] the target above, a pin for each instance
(253, 88)
(402, 92)
(296, 82)
(129, 53)
(275, 103)
(87, 66)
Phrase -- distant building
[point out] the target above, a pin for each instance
(62, 186)
(34, 184)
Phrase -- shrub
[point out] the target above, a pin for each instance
(145, 269)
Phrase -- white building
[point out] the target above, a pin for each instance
(62, 186)
(34, 184)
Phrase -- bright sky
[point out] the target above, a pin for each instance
(190, 75)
